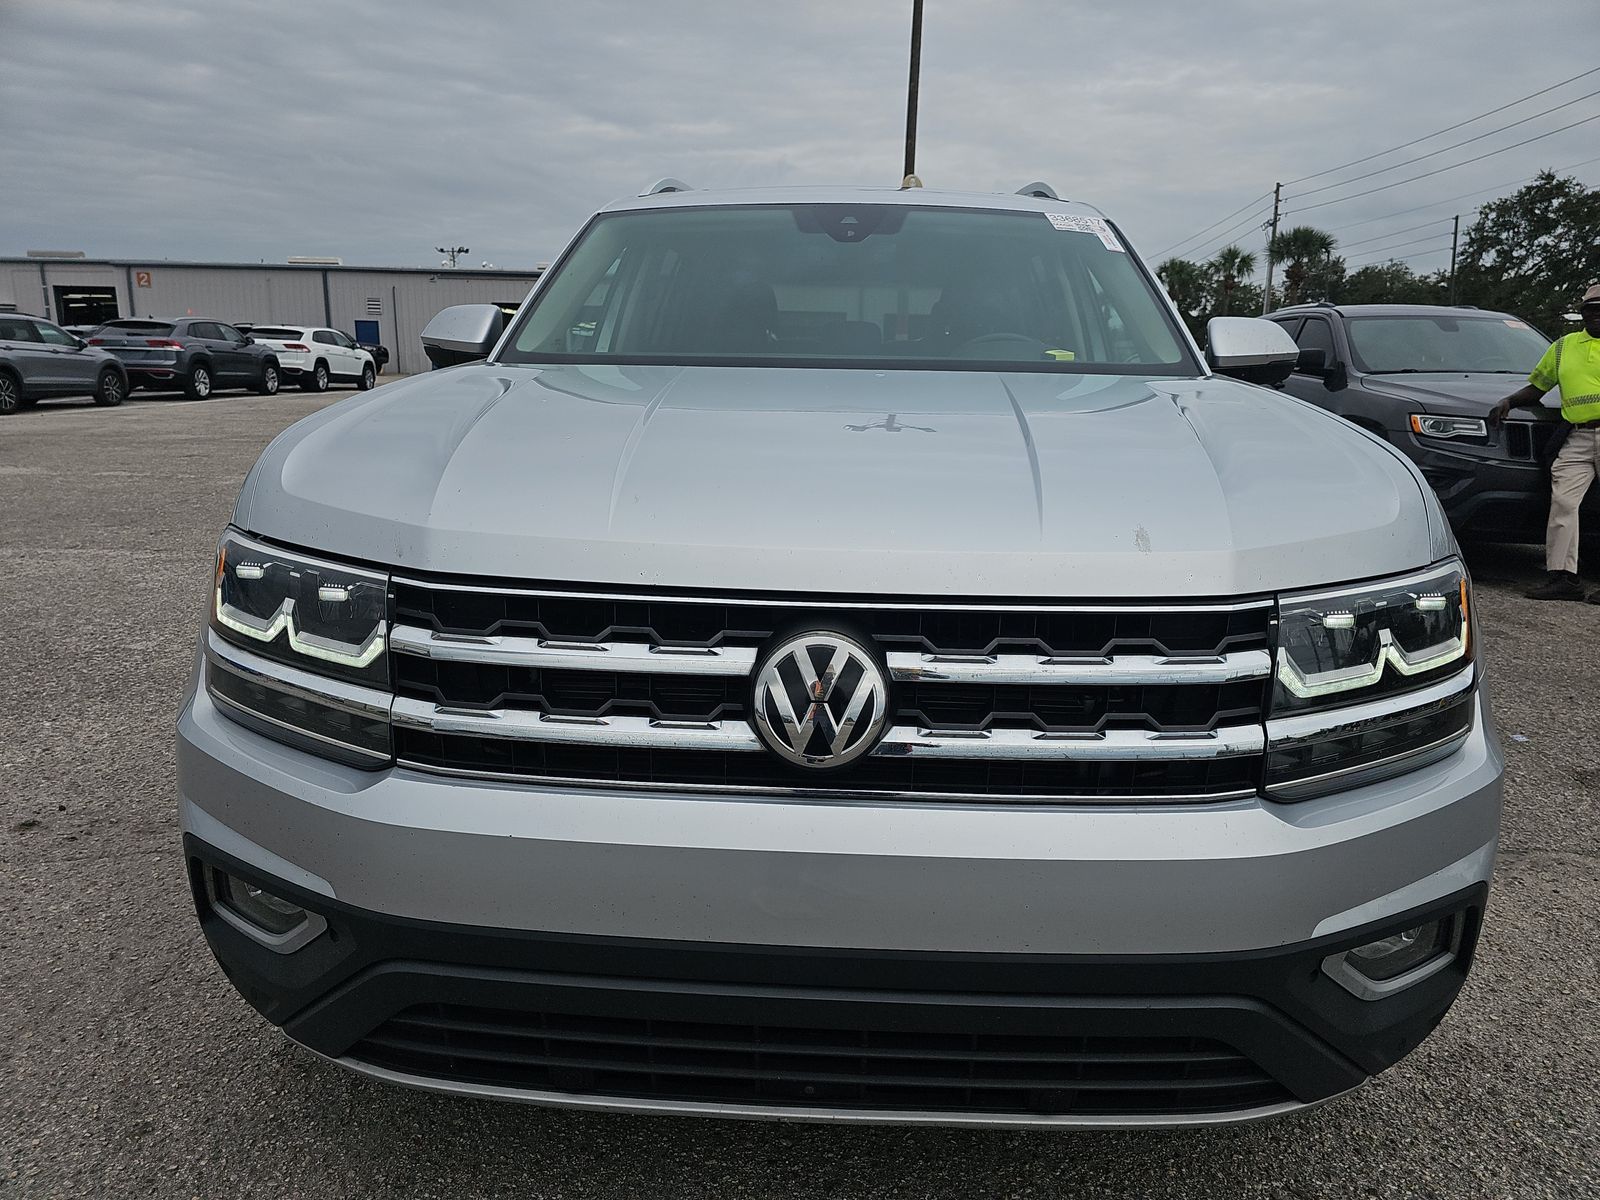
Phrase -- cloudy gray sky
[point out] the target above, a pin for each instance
(379, 129)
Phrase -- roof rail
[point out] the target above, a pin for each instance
(666, 185)
(1038, 190)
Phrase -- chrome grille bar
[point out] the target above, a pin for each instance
(621, 732)
(1123, 669)
(1112, 745)
(508, 651)
(646, 733)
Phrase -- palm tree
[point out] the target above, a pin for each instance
(1301, 249)
(1231, 267)
(1187, 283)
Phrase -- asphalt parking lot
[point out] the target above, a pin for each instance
(130, 1067)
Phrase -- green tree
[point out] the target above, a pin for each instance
(1533, 252)
(1307, 257)
(1229, 268)
(1189, 285)
(1392, 282)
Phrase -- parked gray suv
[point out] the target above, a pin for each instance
(1424, 377)
(844, 654)
(40, 361)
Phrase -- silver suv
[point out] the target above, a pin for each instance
(844, 654)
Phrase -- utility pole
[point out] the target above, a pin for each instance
(1266, 295)
(1455, 234)
(912, 85)
(452, 252)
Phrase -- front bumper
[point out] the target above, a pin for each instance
(1496, 499)
(672, 953)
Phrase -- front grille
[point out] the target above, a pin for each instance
(883, 1069)
(1094, 702)
(1528, 440)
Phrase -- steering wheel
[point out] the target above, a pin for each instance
(1498, 358)
(1001, 346)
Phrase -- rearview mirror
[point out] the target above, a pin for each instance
(1251, 349)
(462, 333)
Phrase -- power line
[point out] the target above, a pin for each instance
(1464, 196)
(1408, 257)
(1217, 241)
(1440, 170)
(1214, 224)
(1356, 162)
(1391, 233)
(1453, 146)
(1230, 232)
(1401, 245)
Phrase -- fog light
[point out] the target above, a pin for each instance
(259, 906)
(268, 918)
(1389, 964)
(1395, 955)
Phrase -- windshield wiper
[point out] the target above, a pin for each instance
(1403, 371)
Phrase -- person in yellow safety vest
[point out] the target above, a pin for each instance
(1573, 362)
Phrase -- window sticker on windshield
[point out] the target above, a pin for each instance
(1515, 324)
(1067, 223)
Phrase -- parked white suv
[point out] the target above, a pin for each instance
(314, 356)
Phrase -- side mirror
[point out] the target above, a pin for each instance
(81, 343)
(462, 333)
(1251, 348)
(1312, 362)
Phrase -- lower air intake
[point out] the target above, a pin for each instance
(868, 1069)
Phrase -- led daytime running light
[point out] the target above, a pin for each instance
(308, 644)
(1391, 654)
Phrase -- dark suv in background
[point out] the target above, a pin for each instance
(1424, 378)
(191, 353)
(40, 360)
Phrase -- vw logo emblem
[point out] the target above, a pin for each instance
(821, 700)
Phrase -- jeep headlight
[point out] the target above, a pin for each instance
(1425, 425)
(298, 650)
(1370, 681)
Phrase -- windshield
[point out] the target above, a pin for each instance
(879, 285)
(1492, 345)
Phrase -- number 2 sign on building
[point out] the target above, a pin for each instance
(141, 279)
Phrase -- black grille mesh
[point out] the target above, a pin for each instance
(868, 1069)
(671, 622)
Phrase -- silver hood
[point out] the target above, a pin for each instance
(815, 480)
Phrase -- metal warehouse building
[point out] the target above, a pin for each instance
(386, 305)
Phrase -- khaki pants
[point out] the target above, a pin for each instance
(1574, 470)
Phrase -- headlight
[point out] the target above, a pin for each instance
(1449, 427)
(308, 613)
(297, 651)
(1371, 681)
(1338, 647)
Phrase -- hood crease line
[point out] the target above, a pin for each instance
(631, 447)
(1033, 452)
